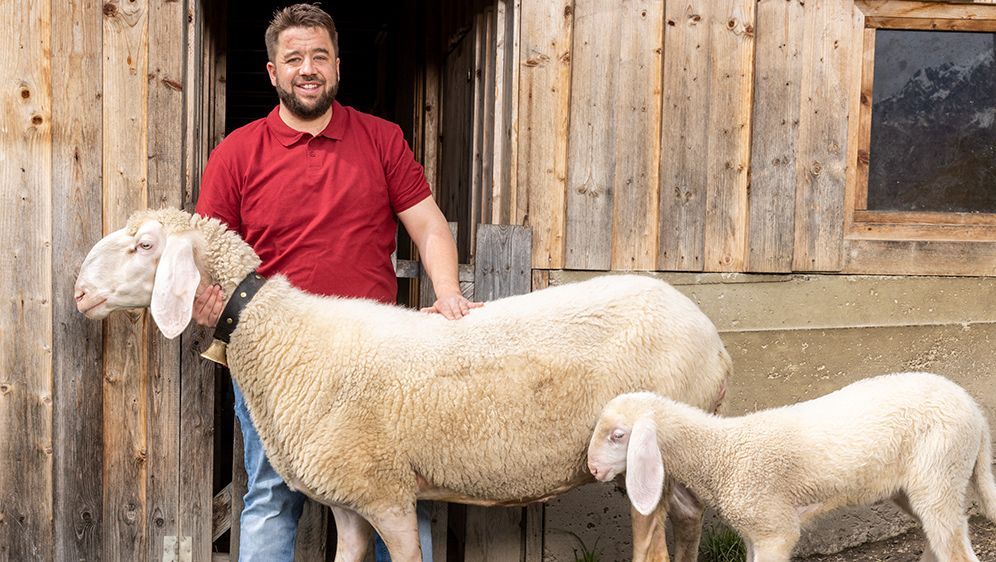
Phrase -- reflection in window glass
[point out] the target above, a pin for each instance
(933, 139)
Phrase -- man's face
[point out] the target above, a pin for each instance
(305, 72)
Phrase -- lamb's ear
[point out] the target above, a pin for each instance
(176, 283)
(644, 467)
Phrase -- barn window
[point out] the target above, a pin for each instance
(926, 137)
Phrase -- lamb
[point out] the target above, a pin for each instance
(367, 407)
(916, 438)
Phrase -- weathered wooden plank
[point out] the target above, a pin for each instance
(502, 265)
(165, 172)
(493, 534)
(925, 10)
(612, 192)
(777, 87)
(544, 110)
(196, 442)
(76, 226)
(821, 157)
(489, 71)
(504, 99)
(636, 181)
(707, 77)
(312, 532)
(477, 100)
(221, 509)
(684, 141)
(731, 79)
(502, 270)
(454, 190)
(26, 487)
(126, 356)
(518, 202)
(197, 389)
(239, 486)
(593, 133)
(903, 257)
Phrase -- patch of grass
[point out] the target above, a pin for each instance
(586, 554)
(721, 544)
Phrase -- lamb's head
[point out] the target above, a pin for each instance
(625, 440)
(156, 261)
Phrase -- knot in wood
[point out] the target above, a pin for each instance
(110, 9)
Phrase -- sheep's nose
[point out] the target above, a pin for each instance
(593, 469)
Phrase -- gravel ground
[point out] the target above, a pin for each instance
(909, 546)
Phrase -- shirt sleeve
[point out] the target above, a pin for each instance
(406, 181)
(221, 191)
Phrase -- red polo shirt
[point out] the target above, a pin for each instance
(319, 209)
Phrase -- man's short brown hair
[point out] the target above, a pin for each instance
(299, 15)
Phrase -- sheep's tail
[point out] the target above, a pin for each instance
(983, 476)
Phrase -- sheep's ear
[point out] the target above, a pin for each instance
(176, 283)
(644, 467)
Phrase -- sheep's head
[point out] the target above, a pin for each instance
(625, 440)
(149, 263)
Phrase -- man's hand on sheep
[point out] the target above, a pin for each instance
(208, 304)
(452, 305)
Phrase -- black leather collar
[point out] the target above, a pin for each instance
(240, 298)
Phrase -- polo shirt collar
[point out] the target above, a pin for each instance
(288, 136)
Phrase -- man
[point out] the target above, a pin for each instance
(316, 188)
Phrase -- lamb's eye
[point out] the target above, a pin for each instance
(145, 245)
(617, 436)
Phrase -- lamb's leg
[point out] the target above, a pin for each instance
(685, 511)
(648, 535)
(941, 510)
(399, 529)
(352, 535)
(903, 502)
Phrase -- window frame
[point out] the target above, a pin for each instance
(864, 224)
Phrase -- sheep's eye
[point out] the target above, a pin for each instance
(617, 436)
(145, 245)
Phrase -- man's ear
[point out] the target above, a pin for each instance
(644, 467)
(176, 283)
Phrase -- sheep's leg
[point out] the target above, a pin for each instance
(398, 527)
(685, 511)
(774, 549)
(903, 502)
(352, 535)
(648, 535)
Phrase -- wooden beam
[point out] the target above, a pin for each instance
(221, 512)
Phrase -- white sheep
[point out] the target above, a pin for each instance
(916, 438)
(366, 407)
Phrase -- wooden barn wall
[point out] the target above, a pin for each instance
(706, 135)
(102, 111)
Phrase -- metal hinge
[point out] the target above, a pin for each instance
(181, 550)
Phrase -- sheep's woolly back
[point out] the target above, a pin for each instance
(353, 398)
(223, 254)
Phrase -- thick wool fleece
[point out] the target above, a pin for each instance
(913, 432)
(355, 400)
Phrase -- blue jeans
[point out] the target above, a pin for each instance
(271, 511)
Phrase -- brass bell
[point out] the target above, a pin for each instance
(216, 352)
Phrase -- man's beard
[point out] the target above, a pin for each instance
(296, 107)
